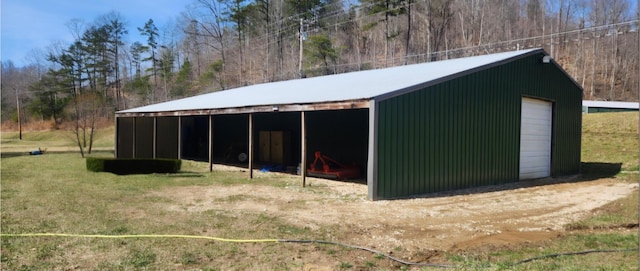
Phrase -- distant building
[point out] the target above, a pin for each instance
(606, 106)
(414, 129)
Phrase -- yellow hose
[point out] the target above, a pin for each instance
(137, 236)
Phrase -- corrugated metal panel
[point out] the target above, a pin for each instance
(333, 88)
(611, 104)
(465, 132)
(605, 110)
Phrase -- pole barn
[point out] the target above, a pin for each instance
(406, 130)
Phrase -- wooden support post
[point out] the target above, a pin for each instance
(115, 139)
(250, 146)
(303, 148)
(210, 143)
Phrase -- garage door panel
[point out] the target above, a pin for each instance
(535, 139)
(534, 144)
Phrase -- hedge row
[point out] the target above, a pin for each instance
(133, 166)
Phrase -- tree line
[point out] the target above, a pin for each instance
(221, 44)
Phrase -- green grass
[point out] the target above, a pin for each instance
(53, 141)
(611, 138)
(510, 259)
(622, 213)
(55, 193)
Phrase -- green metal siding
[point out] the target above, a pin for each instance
(586, 109)
(466, 132)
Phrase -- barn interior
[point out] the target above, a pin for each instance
(339, 137)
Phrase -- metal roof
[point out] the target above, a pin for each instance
(361, 85)
(609, 104)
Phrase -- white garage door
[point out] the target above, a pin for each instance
(535, 139)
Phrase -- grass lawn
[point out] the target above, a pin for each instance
(55, 193)
(53, 141)
(611, 138)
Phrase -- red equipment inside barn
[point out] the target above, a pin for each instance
(332, 168)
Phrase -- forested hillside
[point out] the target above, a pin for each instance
(222, 44)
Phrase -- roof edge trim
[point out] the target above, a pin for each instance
(340, 105)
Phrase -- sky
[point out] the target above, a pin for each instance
(28, 25)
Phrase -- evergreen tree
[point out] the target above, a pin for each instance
(151, 32)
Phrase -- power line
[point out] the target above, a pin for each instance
(290, 23)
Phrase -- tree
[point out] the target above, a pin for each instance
(69, 76)
(15, 84)
(49, 98)
(165, 65)
(151, 32)
(389, 8)
(97, 59)
(192, 44)
(211, 22)
(320, 50)
(535, 18)
(137, 49)
(184, 80)
(84, 110)
(439, 16)
(238, 14)
(116, 30)
(304, 8)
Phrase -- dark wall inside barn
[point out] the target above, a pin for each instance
(195, 138)
(167, 137)
(124, 143)
(287, 122)
(144, 138)
(230, 137)
(341, 134)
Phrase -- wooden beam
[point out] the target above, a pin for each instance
(303, 148)
(352, 104)
(115, 139)
(250, 146)
(210, 143)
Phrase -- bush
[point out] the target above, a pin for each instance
(133, 166)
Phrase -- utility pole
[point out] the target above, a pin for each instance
(19, 118)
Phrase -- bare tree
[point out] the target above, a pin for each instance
(85, 110)
(210, 20)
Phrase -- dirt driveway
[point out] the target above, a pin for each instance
(499, 215)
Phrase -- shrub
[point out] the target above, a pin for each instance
(133, 166)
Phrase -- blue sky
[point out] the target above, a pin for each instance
(36, 24)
